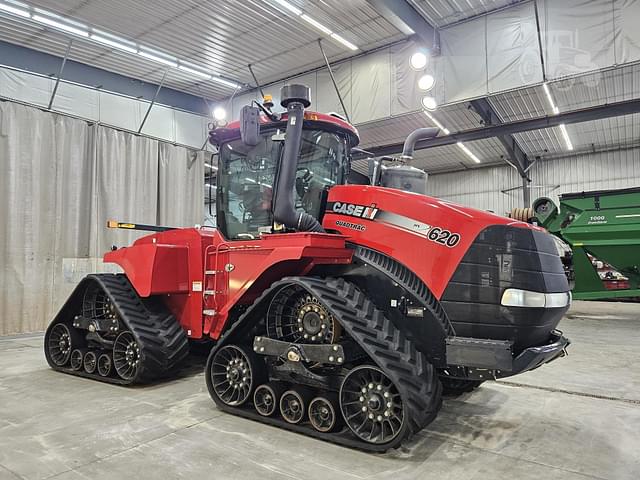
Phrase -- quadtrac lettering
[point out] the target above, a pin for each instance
(368, 212)
(352, 226)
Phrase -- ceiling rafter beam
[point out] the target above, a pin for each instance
(406, 19)
(598, 112)
(517, 157)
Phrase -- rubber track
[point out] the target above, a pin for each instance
(392, 352)
(407, 280)
(162, 341)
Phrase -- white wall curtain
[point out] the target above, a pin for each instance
(180, 177)
(61, 179)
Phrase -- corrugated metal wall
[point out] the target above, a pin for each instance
(481, 188)
(600, 171)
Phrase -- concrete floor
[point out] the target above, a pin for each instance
(576, 418)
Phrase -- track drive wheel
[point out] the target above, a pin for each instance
(233, 373)
(372, 405)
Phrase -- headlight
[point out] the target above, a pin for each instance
(514, 297)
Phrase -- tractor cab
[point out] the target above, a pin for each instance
(248, 171)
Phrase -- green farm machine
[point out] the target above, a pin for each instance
(603, 230)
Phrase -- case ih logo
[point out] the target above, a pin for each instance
(353, 210)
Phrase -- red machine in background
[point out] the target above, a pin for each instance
(338, 310)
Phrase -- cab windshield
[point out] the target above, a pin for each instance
(246, 177)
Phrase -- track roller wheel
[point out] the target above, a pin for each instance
(126, 355)
(76, 359)
(90, 361)
(104, 365)
(60, 341)
(266, 397)
(293, 404)
(322, 413)
(234, 371)
(371, 405)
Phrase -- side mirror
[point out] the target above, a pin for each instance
(250, 125)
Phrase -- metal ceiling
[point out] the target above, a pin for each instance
(445, 12)
(602, 87)
(222, 36)
(226, 35)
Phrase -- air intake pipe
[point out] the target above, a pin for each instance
(414, 137)
(295, 98)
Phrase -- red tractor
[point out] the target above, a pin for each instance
(338, 310)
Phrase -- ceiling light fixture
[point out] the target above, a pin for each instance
(344, 41)
(219, 113)
(426, 82)
(61, 26)
(444, 129)
(213, 167)
(418, 61)
(19, 9)
(157, 57)
(429, 103)
(326, 30)
(222, 81)
(107, 39)
(555, 109)
(469, 153)
(316, 24)
(289, 7)
(193, 71)
(565, 134)
(115, 42)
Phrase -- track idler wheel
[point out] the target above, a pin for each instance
(60, 342)
(234, 373)
(76, 360)
(126, 356)
(323, 413)
(104, 365)
(372, 405)
(266, 398)
(293, 404)
(90, 361)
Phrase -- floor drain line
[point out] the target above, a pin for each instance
(570, 392)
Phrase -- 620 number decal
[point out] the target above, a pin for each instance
(443, 237)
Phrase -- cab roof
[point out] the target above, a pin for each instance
(324, 121)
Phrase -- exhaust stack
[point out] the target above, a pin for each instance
(295, 98)
(414, 137)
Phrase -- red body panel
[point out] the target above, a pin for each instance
(197, 270)
(402, 225)
(171, 273)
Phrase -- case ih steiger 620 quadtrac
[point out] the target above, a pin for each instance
(338, 310)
